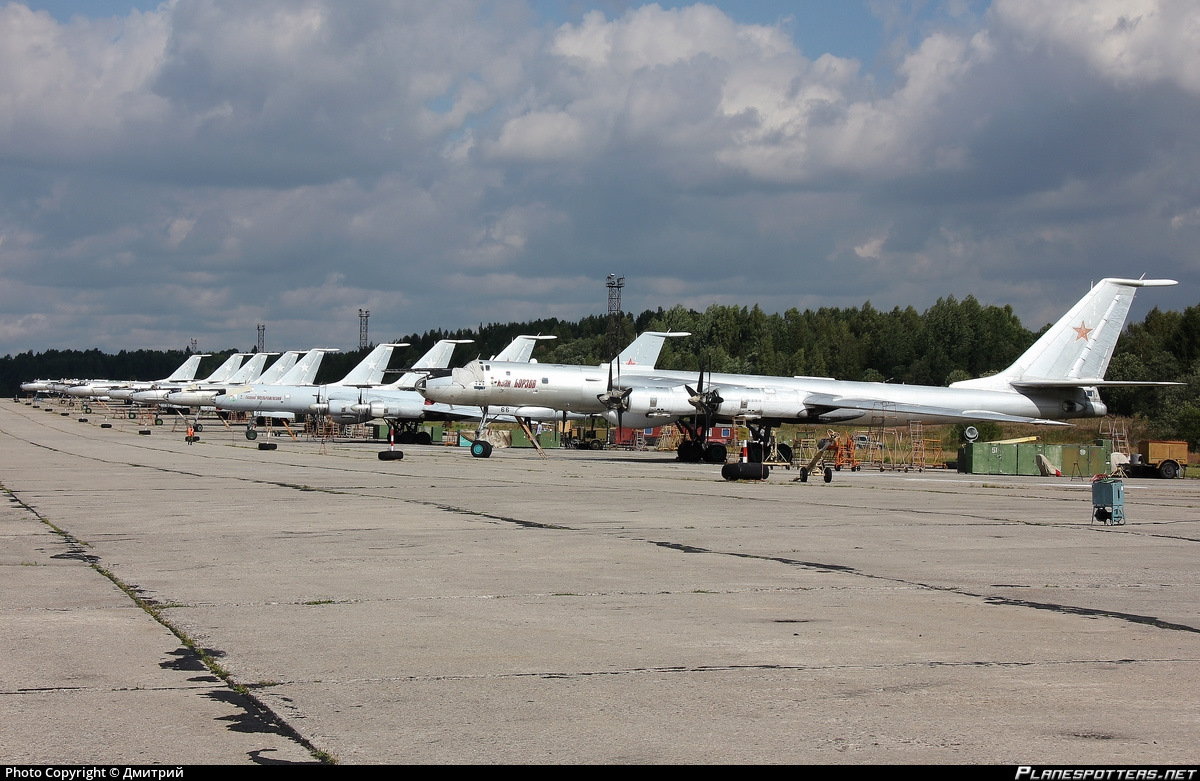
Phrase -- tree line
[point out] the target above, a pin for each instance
(951, 340)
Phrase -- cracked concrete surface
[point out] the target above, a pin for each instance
(595, 607)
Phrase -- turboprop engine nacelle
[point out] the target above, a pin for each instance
(648, 407)
(655, 406)
(406, 409)
(772, 403)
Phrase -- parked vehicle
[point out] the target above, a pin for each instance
(1158, 458)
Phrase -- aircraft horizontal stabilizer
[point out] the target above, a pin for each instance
(830, 401)
(1086, 383)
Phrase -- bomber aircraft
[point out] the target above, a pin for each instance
(352, 401)
(201, 395)
(1057, 378)
(287, 398)
(99, 389)
(157, 393)
(525, 406)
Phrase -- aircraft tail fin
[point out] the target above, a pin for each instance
(370, 370)
(250, 369)
(305, 370)
(519, 350)
(279, 368)
(1076, 349)
(187, 370)
(226, 370)
(644, 350)
(438, 356)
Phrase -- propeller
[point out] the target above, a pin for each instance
(705, 401)
(613, 398)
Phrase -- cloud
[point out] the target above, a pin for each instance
(193, 170)
(1132, 42)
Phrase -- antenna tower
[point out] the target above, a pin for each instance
(262, 337)
(614, 285)
(363, 316)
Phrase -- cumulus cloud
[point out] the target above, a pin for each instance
(195, 169)
(1132, 42)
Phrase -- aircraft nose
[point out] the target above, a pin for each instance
(441, 389)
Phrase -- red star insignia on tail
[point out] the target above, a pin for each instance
(1082, 331)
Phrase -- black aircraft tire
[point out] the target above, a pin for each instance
(481, 449)
(804, 474)
(785, 453)
(391, 455)
(828, 475)
(105, 425)
(132, 415)
(158, 421)
(198, 427)
(83, 420)
(424, 438)
(739, 471)
(268, 445)
(144, 432)
(251, 434)
(716, 454)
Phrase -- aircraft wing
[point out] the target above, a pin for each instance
(1086, 383)
(447, 416)
(829, 401)
(447, 413)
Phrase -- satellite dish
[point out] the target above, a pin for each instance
(971, 433)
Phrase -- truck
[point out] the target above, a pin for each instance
(1158, 458)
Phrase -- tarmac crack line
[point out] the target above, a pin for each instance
(720, 668)
(252, 705)
(989, 599)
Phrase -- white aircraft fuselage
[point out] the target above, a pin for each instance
(659, 396)
(1057, 378)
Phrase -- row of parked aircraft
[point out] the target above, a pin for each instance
(1056, 379)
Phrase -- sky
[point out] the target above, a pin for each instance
(189, 169)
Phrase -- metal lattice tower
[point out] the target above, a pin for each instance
(363, 316)
(614, 285)
(262, 337)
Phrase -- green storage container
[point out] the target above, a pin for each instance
(1027, 453)
(991, 458)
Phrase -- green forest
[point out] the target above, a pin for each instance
(950, 341)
